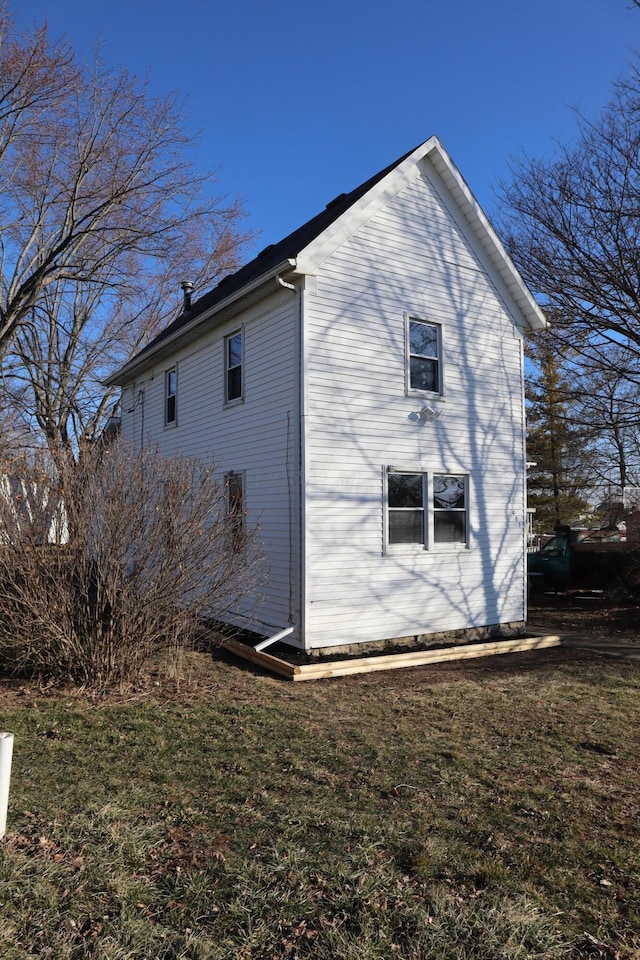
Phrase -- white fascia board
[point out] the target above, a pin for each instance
(318, 250)
(191, 331)
(481, 226)
(310, 259)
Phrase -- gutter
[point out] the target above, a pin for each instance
(146, 359)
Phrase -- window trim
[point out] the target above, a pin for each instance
(231, 401)
(171, 396)
(429, 543)
(407, 545)
(439, 358)
(434, 510)
(237, 525)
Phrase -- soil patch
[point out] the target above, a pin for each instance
(588, 614)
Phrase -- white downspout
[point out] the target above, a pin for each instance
(304, 577)
(302, 454)
(274, 639)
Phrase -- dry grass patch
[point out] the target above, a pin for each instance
(486, 810)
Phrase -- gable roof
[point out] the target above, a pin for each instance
(302, 251)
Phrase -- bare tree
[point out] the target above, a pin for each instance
(604, 408)
(572, 225)
(573, 228)
(127, 554)
(80, 331)
(101, 206)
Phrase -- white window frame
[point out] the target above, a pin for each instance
(450, 508)
(171, 371)
(423, 544)
(228, 400)
(410, 390)
(429, 541)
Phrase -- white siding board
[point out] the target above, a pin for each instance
(410, 257)
(251, 436)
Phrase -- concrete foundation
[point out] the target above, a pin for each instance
(424, 641)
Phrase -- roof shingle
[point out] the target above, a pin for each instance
(285, 249)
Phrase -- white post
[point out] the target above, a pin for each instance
(6, 752)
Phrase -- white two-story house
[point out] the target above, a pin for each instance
(360, 385)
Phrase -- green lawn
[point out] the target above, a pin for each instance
(487, 810)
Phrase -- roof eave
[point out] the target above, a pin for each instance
(311, 257)
(531, 312)
(202, 322)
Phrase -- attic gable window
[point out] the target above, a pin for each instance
(233, 367)
(170, 393)
(424, 356)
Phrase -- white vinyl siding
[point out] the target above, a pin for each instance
(410, 260)
(258, 437)
(317, 477)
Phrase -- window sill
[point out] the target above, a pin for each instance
(450, 547)
(233, 403)
(415, 550)
(426, 395)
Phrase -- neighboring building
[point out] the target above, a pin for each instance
(31, 509)
(360, 384)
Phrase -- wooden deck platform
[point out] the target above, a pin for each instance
(324, 669)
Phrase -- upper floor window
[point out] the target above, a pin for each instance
(170, 387)
(233, 366)
(424, 356)
(425, 508)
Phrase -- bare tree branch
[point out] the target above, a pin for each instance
(126, 554)
(102, 213)
(573, 226)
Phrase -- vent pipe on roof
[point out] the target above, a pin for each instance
(187, 289)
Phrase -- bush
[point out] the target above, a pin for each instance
(135, 552)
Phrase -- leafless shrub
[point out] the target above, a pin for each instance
(145, 552)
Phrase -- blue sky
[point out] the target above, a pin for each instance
(298, 102)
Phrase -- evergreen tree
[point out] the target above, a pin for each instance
(558, 482)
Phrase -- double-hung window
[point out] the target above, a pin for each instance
(233, 367)
(407, 514)
(170, 395)
(427, 509)
(449, 508)
(235, 508)
(424, 356)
